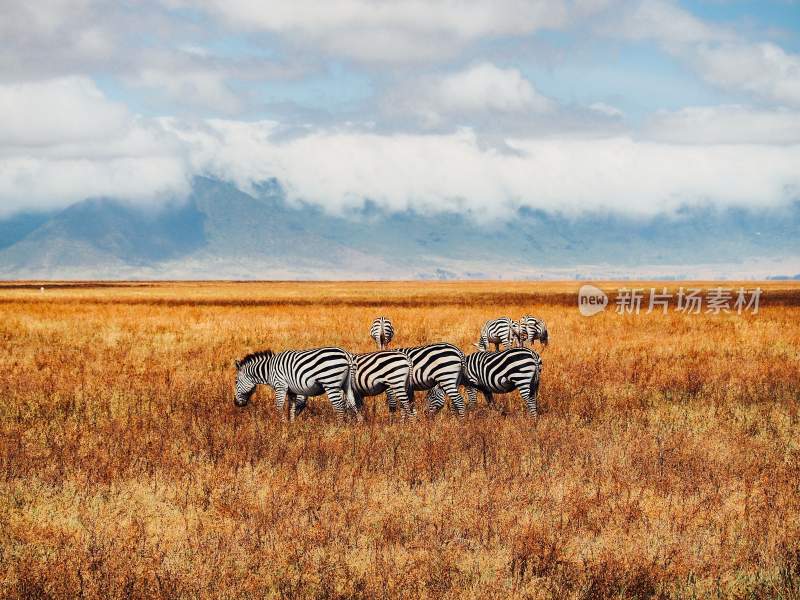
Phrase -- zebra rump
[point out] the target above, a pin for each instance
(382, 331)
(383, 371)
(532, 329)
(503, 372)
(504, 330)
(440, 366)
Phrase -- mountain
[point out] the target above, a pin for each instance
(222, 232)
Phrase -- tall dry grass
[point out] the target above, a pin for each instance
(665, 463)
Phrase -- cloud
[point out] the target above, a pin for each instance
(606, 109)
(718, 54)
(762, 69)
(383, 31)
(66, 109)
(62, 141)
(197, 87)
(482, 88)
(665, 22)
(338, 170)
(730, 124)
(149, 160)
(485, 87)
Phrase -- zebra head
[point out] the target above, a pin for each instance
(249, 374)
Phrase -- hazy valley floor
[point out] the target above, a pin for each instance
(666, 460)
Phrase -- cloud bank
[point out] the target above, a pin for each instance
(453, 117)
(739, 157)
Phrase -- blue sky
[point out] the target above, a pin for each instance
(649, 104)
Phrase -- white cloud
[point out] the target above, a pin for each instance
(761, 69)
(148, 160)
(666, 22)
(190, 86)
(725, 125)
(394, 31)
(433, 173)
(487, 87)
(718, 54)
(480, 88)
(65, 109)
(62, 141)
(606, 109)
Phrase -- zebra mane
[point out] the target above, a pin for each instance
(253, 356)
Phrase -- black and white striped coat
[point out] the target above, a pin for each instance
(532, 329)
(382, 331)
(441, 366)
(383, 371)
(503, 372)
(297, 374)
(503, 331)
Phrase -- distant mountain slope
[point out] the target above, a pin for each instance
(221, 232)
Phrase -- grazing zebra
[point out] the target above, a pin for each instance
(297, 374)
(383, 371)
(532, 329)
(437, 366)
(382, 331)
(502, 372)
(499, 331)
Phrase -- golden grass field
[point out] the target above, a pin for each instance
(665, 461)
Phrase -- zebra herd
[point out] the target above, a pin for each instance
(438, 368)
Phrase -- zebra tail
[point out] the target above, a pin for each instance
(348, 385)
(535, 380)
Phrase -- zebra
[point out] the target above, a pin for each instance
(532, 329)
(439, 366)
(382, 332)
(502, 372)
(383, 371)
(298, 374)
(504, 331)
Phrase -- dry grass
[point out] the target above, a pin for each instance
(666, 461)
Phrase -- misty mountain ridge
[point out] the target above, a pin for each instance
(222, 232)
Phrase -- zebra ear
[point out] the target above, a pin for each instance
(237, 364)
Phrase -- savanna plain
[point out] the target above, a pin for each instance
(665, 461)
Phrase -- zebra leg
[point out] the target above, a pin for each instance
(472, 394)
(528, 390)
(280, 400)
(456, 399)
(401, 394)
(336, 396)
(533, 405)
(299, 404)
(391, 400)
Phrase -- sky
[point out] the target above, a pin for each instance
(638, 107)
